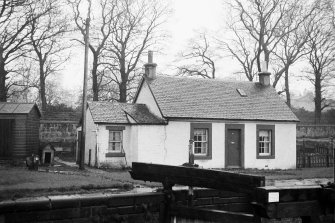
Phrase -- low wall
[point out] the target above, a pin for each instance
(62, 135)
(315, 131)
(99, 208)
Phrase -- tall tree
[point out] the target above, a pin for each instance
(293, 46)
(100, 31)
(259, 26)
(243, 49)
(199, 58)
(15, 17)
(47, 40)
(321, 59)
(135, 29)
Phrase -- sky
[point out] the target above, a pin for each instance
(187, 18)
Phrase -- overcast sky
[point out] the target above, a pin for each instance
(188, 17)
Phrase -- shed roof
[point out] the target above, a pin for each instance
(119, 113)
(185, 97)
(17, 108)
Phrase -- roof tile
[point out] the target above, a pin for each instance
(180, 97)
(15, 108)
(114, 112)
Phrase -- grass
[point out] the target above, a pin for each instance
(18, 181)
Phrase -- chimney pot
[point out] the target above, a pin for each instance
(264, 78)
(150, 67)
(150, 56)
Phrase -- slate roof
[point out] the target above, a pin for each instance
(116, 113)
(17, 108)
(185, 97)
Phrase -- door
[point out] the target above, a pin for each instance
(6, 126)
(78, 148)
(47, 157)
(234, 148)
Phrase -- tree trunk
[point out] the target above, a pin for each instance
(95, 87)
(318, 98)
(123, 91)
(3, 75)
(287, 88)
(124, 78)
(42, 88)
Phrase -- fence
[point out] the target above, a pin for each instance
(317, 155)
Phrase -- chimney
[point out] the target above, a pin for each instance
(150, 67)
(264, 75)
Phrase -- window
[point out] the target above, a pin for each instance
(201, 133)
(265, 141)
(241, 92)
(115, 141)
(200, 141)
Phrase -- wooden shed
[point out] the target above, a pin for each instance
(19, 130)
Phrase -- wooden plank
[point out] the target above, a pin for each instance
(295, 209)
(289, 209)
(6, 126)
(195, 177)
(289, 194)
(210, 215)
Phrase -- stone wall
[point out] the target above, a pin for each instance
(315, 131)
(61, 135)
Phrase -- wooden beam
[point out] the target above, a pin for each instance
(196, 177)
(210, 215)
(289, 194)
(294, 209)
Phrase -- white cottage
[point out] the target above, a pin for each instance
(232, 125)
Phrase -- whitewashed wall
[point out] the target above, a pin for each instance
(169, 145)
(285, 147)
(128, 142)
(145, 97)
(90, 139)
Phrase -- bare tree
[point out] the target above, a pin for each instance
(136, 28)
(47, 40)
(199, 58)
(245, 50)
(293, 46)
(100, 31)
(14, 34)
(259, 27)
(321, 59)
(24, 81)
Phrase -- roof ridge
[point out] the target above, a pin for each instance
(206, 79)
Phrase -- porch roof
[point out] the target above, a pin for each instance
(122, 113)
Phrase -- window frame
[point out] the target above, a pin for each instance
(208, 127)
(111, 153)
(272, 143)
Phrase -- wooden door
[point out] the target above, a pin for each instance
(234, 148)
(6, 135)
(79, 147)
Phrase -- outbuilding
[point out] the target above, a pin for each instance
(19, 130)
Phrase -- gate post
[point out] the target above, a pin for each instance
(332, 148)
(191, 162)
